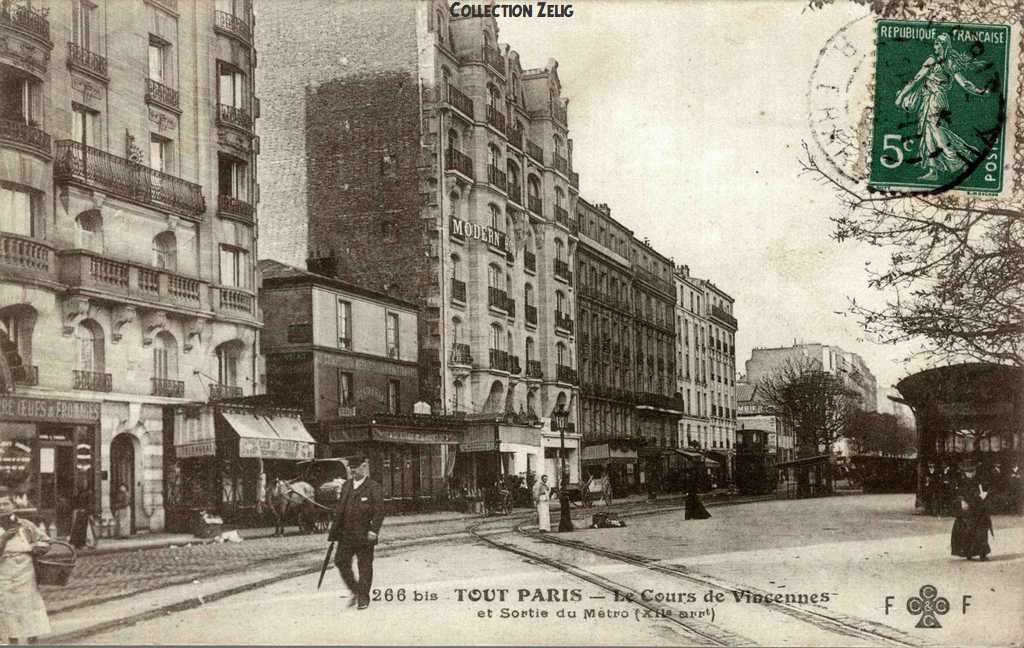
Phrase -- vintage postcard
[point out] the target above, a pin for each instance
(589, 322)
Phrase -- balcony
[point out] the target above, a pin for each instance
(456, 160)
(724, 317)
(88, 62)
(496, 298)
(459, 101)
(108, 277)
(234, 117)
(26, 20)
(236, 301)
(559, 114)
(530, 261)
(493, 59)
(168, 388)
(561, 164)
(495, 118)
(510, 307)
(562, 218)
(515, 137)
(92, 381)
(110, 174)
(646, 275)
(26, 375)
(515, 193)
(459, 290)
(530, 312)
(231, 207)
(220, 391)
(165, 96)
(574, 180)
(497, 178)
(514, 367)
(536, 205)
(566, 374)
(233, 26)
(563, 321)
(460, 355)
(562, 270)
(21, 256)
(534, 151)
(533, 369)
(498, 359)
(25, 137)
(659, 401)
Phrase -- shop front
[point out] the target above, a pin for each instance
(491, 450)
(411, 456)
(225, 458)
(49, 457)
(616, 457)
(554, 452)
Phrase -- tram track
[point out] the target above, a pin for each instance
(817, 616)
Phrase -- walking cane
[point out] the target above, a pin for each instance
(327, 561)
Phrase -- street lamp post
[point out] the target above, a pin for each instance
(561, 419)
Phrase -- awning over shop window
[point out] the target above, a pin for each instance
(711, 463)
(273, 437)
(691, 455)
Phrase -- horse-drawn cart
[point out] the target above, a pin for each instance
(310, 497)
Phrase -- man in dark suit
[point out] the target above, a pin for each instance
(357, 521)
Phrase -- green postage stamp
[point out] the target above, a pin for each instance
(940, 106)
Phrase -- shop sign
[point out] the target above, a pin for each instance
(412, 436)
(488, 235)
(204, 449)
(48, 411)
(478, 446)
(274, 449)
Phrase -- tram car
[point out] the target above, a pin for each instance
(755, 472)
(877, 474)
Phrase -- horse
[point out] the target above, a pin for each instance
(285, 496)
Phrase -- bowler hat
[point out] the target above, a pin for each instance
(968, 465)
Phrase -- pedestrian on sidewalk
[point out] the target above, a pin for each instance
(542, 500)
(973, 523)
(122, 513)
(356, 528)
(22, 611)
(694, 508)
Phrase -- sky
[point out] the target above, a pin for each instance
(687, 118)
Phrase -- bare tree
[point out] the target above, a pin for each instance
(880, 434)
(816, 404)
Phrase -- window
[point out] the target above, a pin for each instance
(391, 334)
(439, 25)
(90, 346)
(453, 139)
(560, 201)
(16, 211)
(232, 86)
(560, 302)
(533, 186)
(165, 251)
(561, 354)
(83, 127)
(530, 352)
(493, 98)
(497, 221)
(165, 357)
(233, 266)
(158, 60)
(82, 21)
(496, 337)
(528, 295)
(231, 177)
(227, 363)
(493, 156)
(344, 389)
(560, 250)
(159, 153)
(344, 324)
(558, 145)
(495, 277)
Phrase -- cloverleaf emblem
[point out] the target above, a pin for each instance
(928, 605)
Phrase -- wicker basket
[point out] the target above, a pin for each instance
(55, 569)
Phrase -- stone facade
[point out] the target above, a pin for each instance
(128, 263)
(829, 358)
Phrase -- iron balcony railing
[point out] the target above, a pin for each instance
(233, 25)
(92, 381)
(530, 261)
(460, 101)
(536, 205)
(495, 118)
(497, 177)
(562, 217)
(560, 114)
(157, 92)
(494, 59)
(498, 359)
(515, 137)
(219, 391)
(168, 388)
(534, 151)
(723, 316)
(456, 160)
(533, 369)
(26, 19)
(496, 297)
(460, 354)
(87, 61)
(22, 135)
(561, 164)
(233, 207)
(234, 116)
(563, 321)
(562, 270)
(458, 290)
(530, 312)
(96, 169)
(565, 374)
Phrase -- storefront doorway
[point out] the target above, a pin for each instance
(57, 480)
(122, 471)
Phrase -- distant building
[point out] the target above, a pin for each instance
(848, 366)
(754, 414)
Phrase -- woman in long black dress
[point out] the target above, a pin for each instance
(973, 522)
(694, 507)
